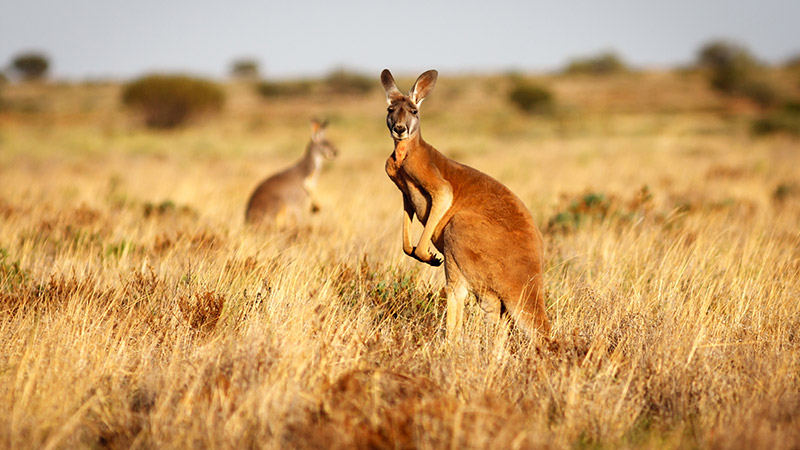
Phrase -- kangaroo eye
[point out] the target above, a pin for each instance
(414, 112)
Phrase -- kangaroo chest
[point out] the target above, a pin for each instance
(310, 181)
(310, 167)
(420, 199)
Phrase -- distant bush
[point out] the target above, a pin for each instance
(3, 81)
(532, 98)
(31, 65)
(793, 63)
(273, 89)
(245, 69)
(722, 53)
(602, 64)
(762, 92)
(733, 70)
(785, 120)
(168, 101)
(731, 65)
(343, 81)
(586, 207)
(785, 191)
(339, 82)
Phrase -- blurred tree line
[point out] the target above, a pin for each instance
(171, 100)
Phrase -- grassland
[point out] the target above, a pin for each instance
(137, 310)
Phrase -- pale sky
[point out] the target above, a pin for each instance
(123, 39)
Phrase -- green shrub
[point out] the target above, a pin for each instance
(343, 81)
(785, 120)
(246, 69)
(596, 206)
(3, 82)
(270, 89)
(729, 76)
(729, 79)
(730, 66)
(602, 64)
(762, 92)
(168, 101)
(532, 98)
(733, 70)
(11, 275)
(586, 207)
(793, 62)
(784, 191)
(31, 65)
(722, 54)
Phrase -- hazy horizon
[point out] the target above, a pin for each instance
(88, 39)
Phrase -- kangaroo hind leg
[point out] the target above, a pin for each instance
(457, 291)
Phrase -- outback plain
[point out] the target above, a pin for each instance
(137, 310)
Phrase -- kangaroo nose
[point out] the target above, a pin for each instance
(400, 128)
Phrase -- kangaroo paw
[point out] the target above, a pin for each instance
(433, 259)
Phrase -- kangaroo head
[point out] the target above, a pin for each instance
(403, 113)
(319, 143)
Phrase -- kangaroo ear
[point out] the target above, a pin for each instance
(387, 80)
(318, 129)
(317, 124)
(423, 86)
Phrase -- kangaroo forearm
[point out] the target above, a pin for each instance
(408, 247)
(440, 203)
(408, 216)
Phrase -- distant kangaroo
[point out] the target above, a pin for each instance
(485, 234)
(288, 195)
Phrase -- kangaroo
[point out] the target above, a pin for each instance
(286, 196)
(482, 232)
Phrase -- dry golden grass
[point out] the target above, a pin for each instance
(137, 310)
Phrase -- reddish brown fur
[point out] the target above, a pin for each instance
(485, 233)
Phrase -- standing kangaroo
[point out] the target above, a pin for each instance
(483, 232)
(289, 194)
